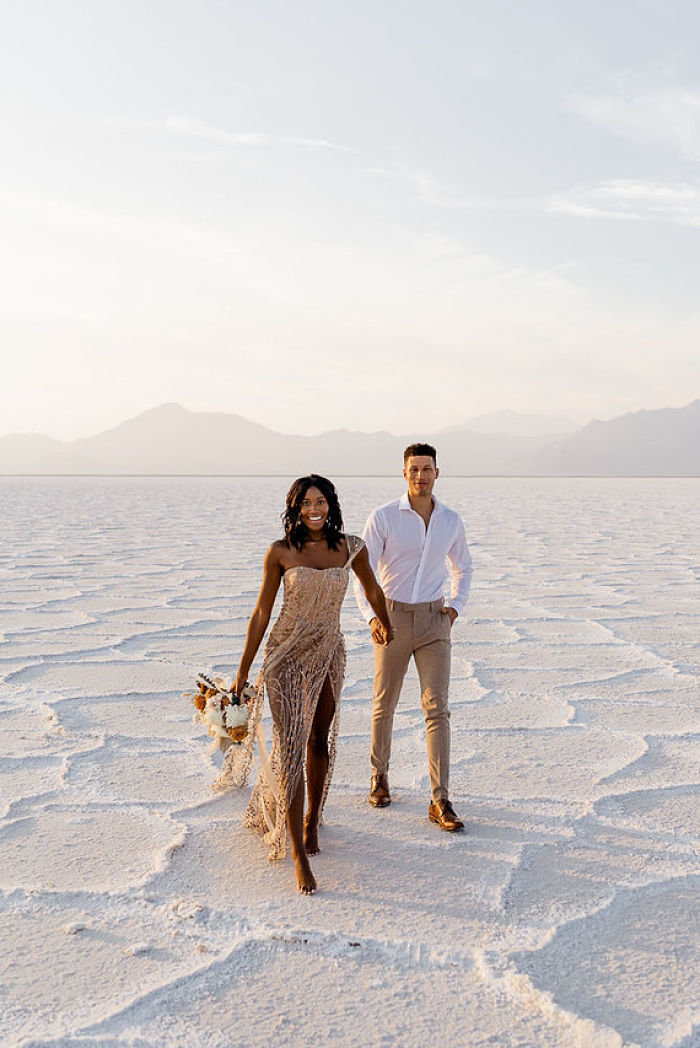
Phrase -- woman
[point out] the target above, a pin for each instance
(303, 669)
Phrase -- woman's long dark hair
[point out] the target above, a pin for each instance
(296, 532)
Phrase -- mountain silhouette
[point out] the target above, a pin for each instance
(170, 440)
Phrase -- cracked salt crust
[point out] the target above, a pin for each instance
(560, 918)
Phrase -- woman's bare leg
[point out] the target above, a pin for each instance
(317, 764)
(306, 882)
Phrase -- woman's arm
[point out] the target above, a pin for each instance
(375, 595)
(272, 574)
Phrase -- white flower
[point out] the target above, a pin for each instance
(235, 716)
(214, 712)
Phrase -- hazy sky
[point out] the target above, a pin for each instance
(366, 214)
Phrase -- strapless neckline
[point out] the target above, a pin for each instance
(332, 567)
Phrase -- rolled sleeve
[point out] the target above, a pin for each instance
(373, 536)
(460, 569)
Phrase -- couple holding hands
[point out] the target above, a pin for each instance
(409, 543)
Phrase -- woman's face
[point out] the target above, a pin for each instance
(314, 511)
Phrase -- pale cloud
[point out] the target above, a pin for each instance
(195, 128)
(313, 143)
(633, 200)
(184, 125)
(662, 113)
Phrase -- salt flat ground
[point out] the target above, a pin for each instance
(136, 911)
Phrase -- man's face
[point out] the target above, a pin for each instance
(421, 473)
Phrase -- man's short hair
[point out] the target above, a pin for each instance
(420, 449)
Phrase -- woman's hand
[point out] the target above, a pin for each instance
(239, 684)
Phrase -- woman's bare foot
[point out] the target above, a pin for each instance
(311, 837)
(306, 882)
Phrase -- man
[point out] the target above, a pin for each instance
(409, 542)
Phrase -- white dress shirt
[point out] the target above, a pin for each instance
(410, 560)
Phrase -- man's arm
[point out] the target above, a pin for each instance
(374, 540)
(461, 571)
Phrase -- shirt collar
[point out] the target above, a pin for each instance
(405, 504)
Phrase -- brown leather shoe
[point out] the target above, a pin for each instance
(443, 814)
(379, 795)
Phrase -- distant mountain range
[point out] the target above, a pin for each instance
(518, 425)
(172, 440)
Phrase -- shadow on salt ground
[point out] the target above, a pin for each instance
(640, 948)
(383, 866)
(517, 871)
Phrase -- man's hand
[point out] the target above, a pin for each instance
(451, 612)
(379, 634)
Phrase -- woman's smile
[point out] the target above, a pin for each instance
(314, 510)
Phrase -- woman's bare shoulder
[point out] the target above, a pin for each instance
(276, 551)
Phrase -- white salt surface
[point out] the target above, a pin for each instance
(136, 911)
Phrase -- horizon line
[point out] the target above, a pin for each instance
(379, 476)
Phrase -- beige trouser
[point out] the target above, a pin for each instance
(425, 633)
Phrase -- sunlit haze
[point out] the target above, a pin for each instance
(366, 215)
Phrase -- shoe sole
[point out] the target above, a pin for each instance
(379, 804)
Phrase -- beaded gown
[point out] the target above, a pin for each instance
(305, 646)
